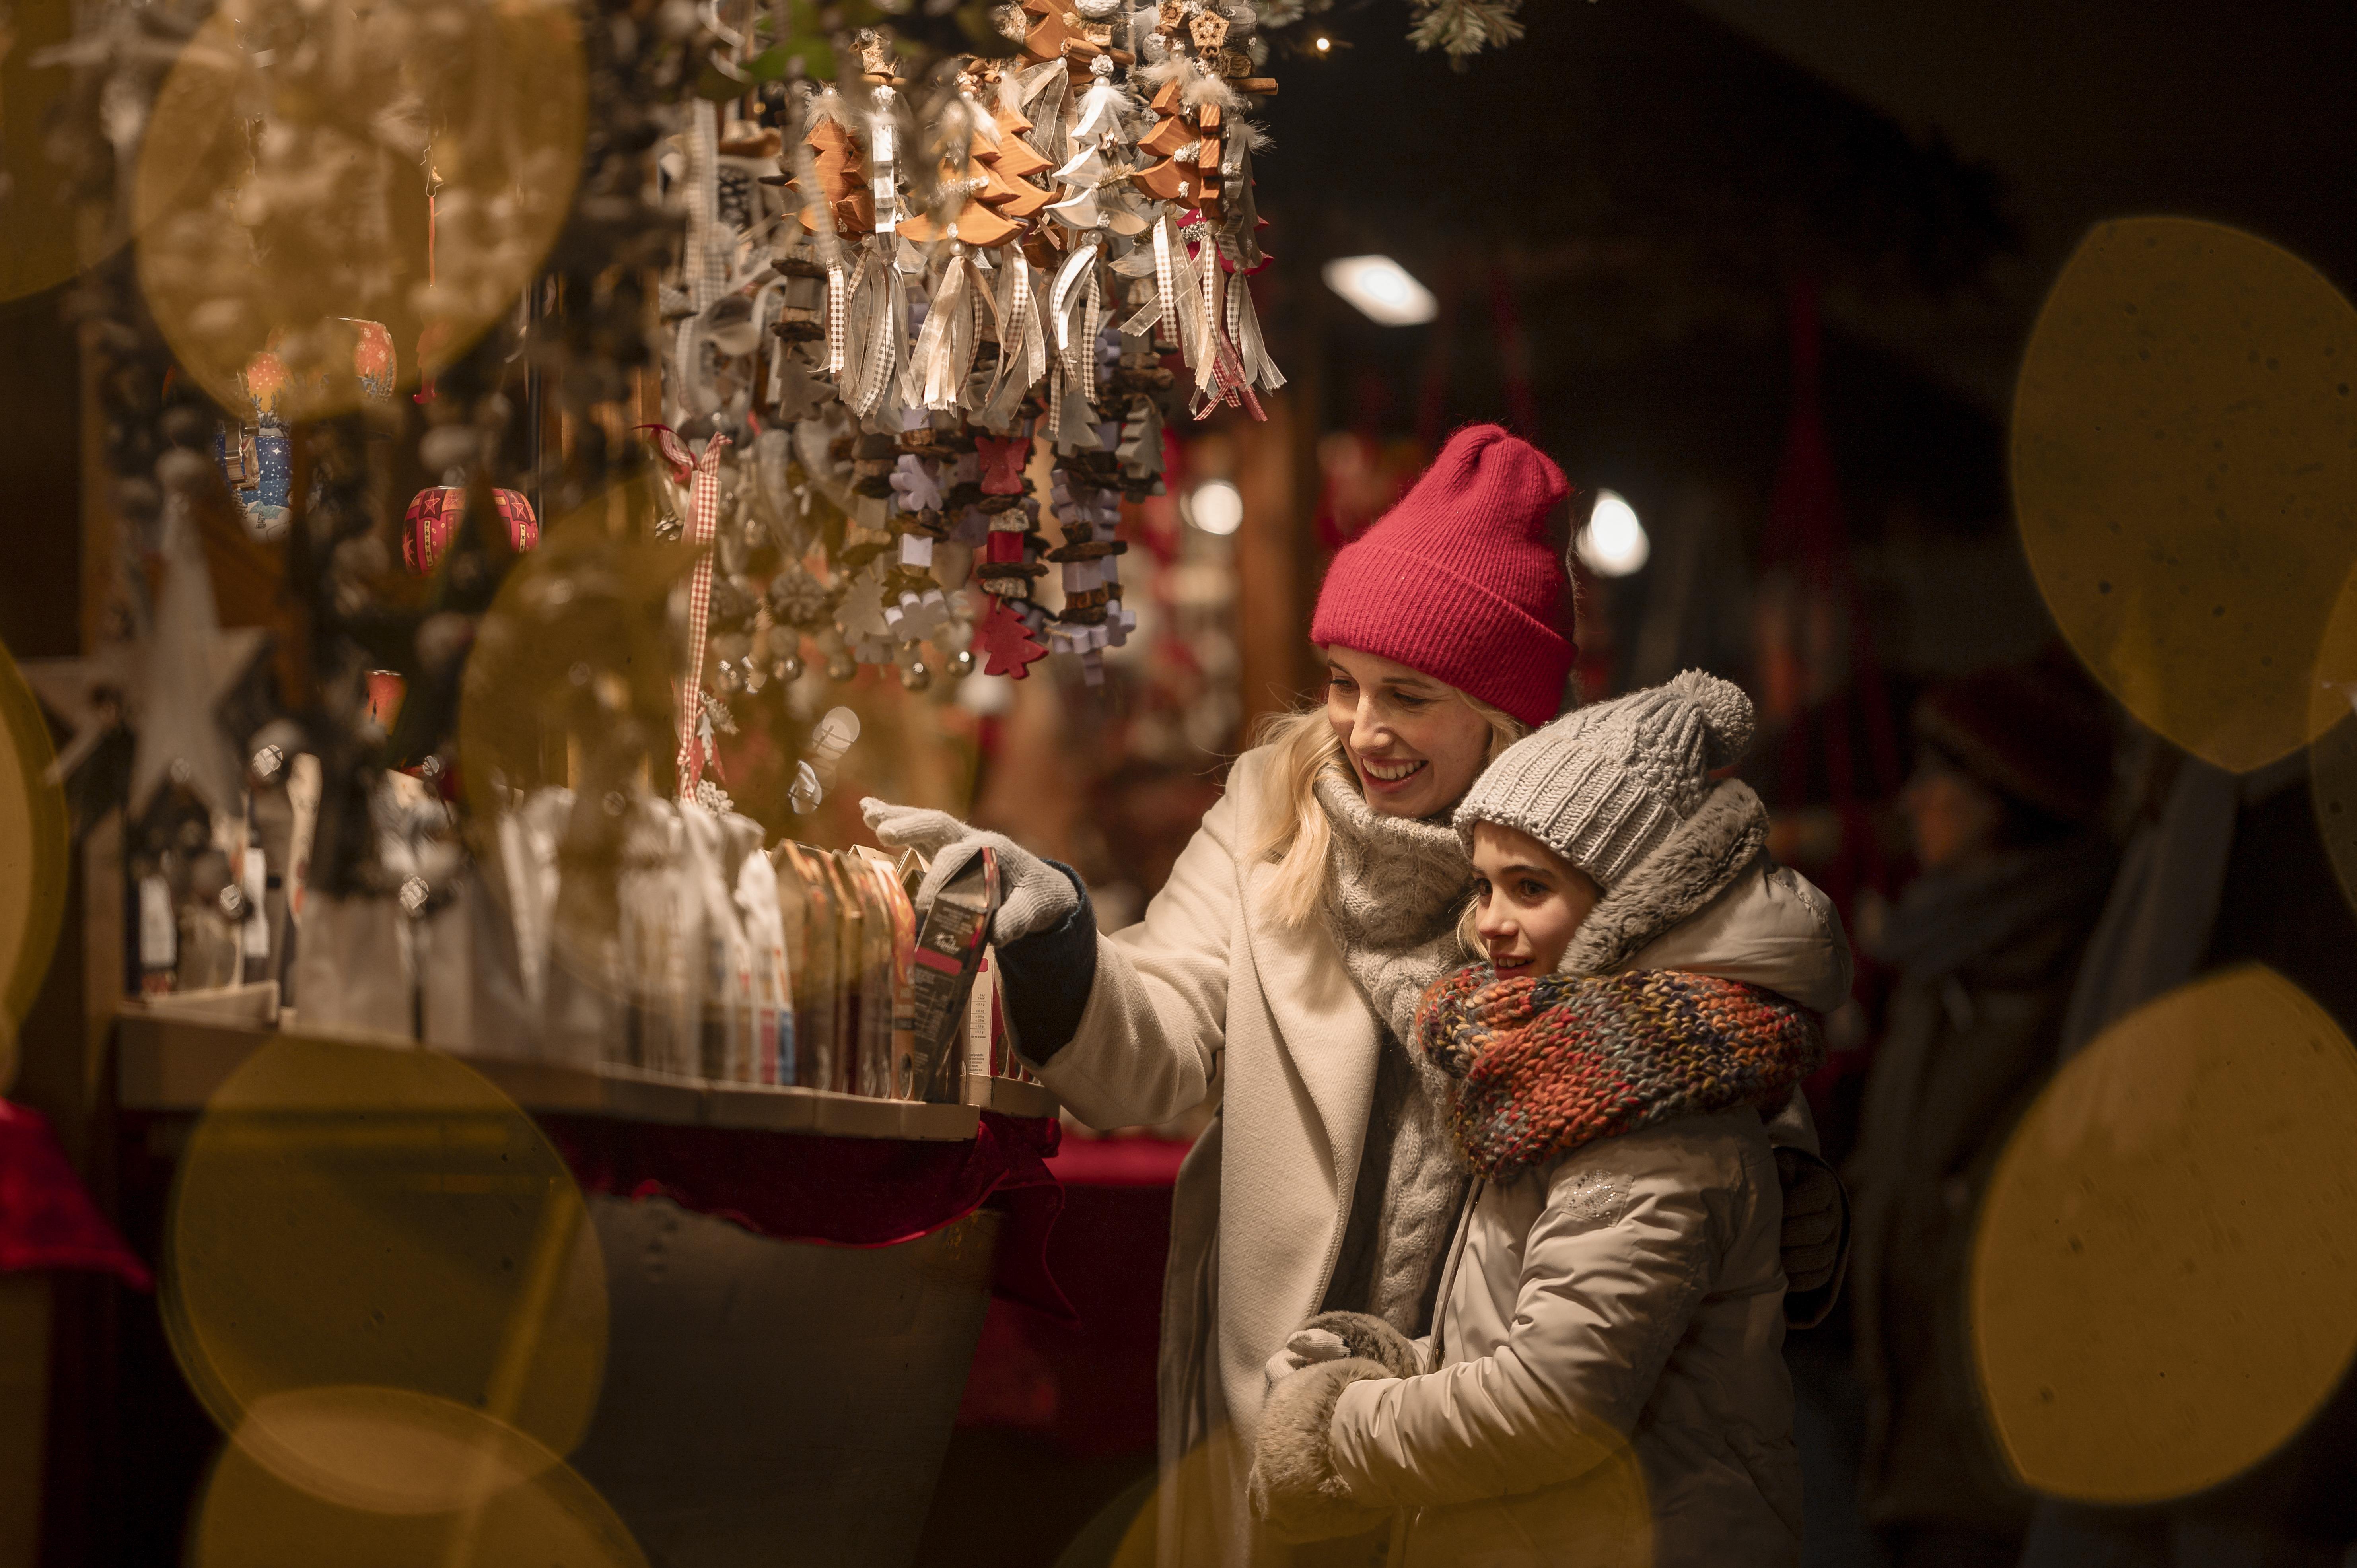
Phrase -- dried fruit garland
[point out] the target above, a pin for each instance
(888, 306)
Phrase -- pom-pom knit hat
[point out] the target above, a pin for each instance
(1461, 580)
(1603, 786)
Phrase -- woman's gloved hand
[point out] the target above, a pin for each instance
(1034, 896)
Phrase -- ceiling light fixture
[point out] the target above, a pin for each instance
(1382, 290)
(1613, 542)
(1216, 506)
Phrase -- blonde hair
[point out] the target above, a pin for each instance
(1293, 831)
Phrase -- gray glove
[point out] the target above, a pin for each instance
(1033, 894)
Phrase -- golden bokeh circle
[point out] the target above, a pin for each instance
(539, 1514)
(2332, 755)
(2165, 1251)
(382, 1450)
(575, 645)
(351, 1215)
(286, 248)
(2184, 457)
(44, 239)
(33, 857)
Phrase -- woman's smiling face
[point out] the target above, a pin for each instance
(1416, 744)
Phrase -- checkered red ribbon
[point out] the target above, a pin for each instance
(702, 476)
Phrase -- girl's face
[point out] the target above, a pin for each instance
(1415, 744)
(1528, 900)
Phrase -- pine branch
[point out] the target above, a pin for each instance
(1463, 28)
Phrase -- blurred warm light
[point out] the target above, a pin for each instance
(2159, 1252)
(1324, 43)
(1216, 506)
(363, 1242)
(2183, 446)
(33, 857)
(291, 253)
(523, 1507)
(1382, 290)
(1613, 543)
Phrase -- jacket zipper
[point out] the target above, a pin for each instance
(1448, 1275)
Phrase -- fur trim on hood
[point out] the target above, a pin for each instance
(1685, 871)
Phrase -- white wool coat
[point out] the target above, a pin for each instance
(1263, 1200)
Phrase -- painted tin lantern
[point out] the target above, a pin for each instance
(373, 360)
(435, 516)
(258, 462)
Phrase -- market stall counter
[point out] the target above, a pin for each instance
(794, 1279)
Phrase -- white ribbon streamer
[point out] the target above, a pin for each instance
(880, 175)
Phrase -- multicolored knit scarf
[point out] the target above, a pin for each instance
(1548, 1064)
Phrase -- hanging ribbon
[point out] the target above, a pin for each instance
(1220, 375)
(876, 324)
(838, 300)
(707, 264)
(1177, 305)
(769, 308)
(1243, 331)
(1077, 287)
(702, 476)
(936, 375)
(823, 239)
(880, 177)
(1022, 343)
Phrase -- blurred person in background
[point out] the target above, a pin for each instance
(2223, 870)
(2013, 768)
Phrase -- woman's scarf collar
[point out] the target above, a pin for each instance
(1395, 888)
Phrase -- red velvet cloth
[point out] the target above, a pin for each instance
(840, 1192)
(1087, 1384)
(47, 1220)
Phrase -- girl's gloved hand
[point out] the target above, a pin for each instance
(1306, 1347)
(1816, 1213)
(1034, 894)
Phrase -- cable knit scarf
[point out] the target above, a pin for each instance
(1395, 887)
(1549, 1064)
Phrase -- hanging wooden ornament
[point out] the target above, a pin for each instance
(373, 359)
(1005, 643)
(434, 517)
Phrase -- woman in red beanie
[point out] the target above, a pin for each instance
(1314, 906)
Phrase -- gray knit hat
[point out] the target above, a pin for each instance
(1601, 785)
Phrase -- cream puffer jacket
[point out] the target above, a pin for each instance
(1210, 973)
(1604, 1384)
(1611, 1385)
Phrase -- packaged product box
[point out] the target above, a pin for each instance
(950, 954)
(806, 905)
(899, 930)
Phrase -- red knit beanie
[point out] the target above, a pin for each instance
(1461, 580)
